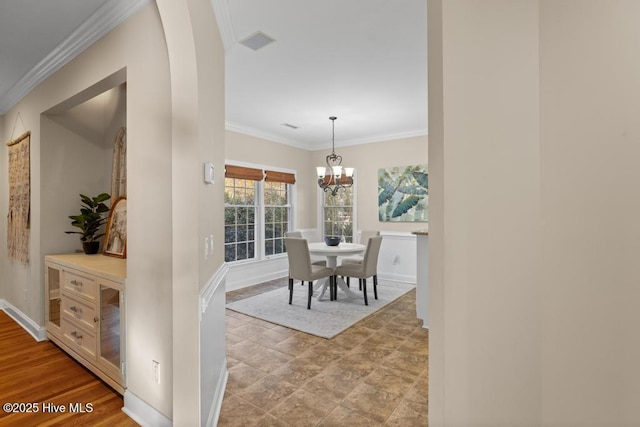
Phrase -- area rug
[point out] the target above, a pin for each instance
(326, 318)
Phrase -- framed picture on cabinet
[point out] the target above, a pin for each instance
(115, 239)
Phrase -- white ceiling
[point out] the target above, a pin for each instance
(363, 61)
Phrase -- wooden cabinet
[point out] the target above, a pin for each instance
(84, 311)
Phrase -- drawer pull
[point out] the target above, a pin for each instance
(76, 335)
(76, 309)
(76, 283)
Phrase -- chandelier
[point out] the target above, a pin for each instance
(334, 177)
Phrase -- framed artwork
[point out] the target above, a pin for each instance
(403, 194)
(115, 239)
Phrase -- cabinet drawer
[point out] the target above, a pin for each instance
(82, 312)
(77, 284)
(79, 338)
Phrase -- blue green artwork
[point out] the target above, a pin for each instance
(403, 194)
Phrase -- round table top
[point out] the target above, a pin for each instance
(321, 248)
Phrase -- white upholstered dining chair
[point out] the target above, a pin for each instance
(298, 234)
(300, 267)
(365, 235)
(365, 269)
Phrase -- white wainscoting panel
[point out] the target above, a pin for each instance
(398, 258)
(243, 274)
(213, 361)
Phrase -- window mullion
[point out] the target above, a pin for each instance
(260, 227)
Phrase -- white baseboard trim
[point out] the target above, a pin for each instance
(38, 332)
(397, 277)
(216, 407)
(143, 413)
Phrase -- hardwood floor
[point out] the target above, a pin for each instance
(41, 376)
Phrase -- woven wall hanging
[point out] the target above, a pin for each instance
(19, 198)
(119, 166)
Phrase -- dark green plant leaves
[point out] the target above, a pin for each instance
(91, 217)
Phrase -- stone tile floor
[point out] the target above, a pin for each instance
(373, 374)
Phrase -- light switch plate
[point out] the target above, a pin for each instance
(208, 173)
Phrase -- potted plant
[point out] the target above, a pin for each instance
(90, 221)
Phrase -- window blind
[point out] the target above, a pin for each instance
(273, 176)
(241, 172)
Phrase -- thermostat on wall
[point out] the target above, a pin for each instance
(208, 173)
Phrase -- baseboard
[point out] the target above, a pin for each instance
(143, 413)
(38, 332)
(216, 407)
(397, 277)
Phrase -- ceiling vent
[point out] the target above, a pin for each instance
(257, 40)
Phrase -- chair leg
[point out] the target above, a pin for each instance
(290, 290)
(310, 295)
(375, 286)
(359, 284)
(364, 291)
(332, 284)
(335, 288)
(348, 281)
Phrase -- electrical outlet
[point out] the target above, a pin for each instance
(155, 371)
(25, 295)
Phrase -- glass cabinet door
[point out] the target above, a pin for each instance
(53, 296)
(110, 325)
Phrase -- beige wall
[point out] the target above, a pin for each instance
(490, 219)
(533, 281)
(590, 147)
(367, 159)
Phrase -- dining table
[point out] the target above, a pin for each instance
(332, 253)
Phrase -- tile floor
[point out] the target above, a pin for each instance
(373, 374)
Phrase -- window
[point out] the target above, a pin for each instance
(239, 218)
(257, 212)
(276, 216)
(338, 213)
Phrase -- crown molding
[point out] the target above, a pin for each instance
(225, 23)
(246, 130)
(107, 17)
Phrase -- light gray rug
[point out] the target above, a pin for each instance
(326, 318)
